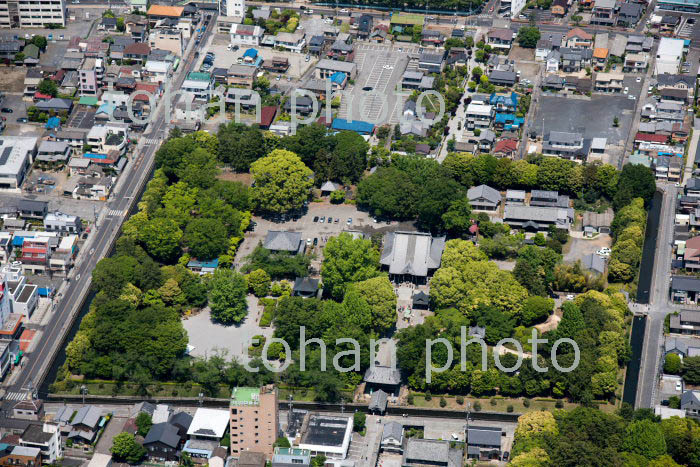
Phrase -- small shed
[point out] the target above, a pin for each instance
(328, 188)
(305, 287)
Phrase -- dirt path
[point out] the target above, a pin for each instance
(551, 323)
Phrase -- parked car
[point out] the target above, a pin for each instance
(6, 110)
(349, 220)
(570, 297)
(315, 218)
(322, 219)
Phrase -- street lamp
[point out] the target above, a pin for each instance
(83, 391)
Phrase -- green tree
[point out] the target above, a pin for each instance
(282, 442)
(240, 145)
(282, 182)
(672, 364)
(691, 370)
(143, 423)
(645, 438)
(40, 41)
(126, 449)
(536, 309)
(161, 237)
(359, 421)
(457, 218)
(347, 260)
(318, 461)
(379, 293)
(634, 181)
(259, 282)
(19, 57)
(227, 296)
(48, 87)
(206, 238)
(528, 37)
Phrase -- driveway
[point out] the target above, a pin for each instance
(113, 428)
(581, 247)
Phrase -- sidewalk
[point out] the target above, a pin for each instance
(690, 160)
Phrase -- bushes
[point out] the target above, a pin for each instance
(628, 227)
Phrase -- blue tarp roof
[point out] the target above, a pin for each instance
(53, 122)
(252, 53)
(18, 241)
(195, 263)
(506, 118)
(358, 126)
(338, 77)
(496, 99)
(106, 108)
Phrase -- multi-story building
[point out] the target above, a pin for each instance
(88, 77)
(232, 8)
(46, 437)
(16, 156)
(692, 6)
(167, 39)
(254, 420)
(32, 13)
(479, 115)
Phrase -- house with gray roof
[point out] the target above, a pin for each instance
(537, 218)
(277, 240)
(305, 287)
(162, 442)
(386, 378)
(685, 290)
(690, 402)
(411, 255)
(566, 145)
(686, 322)
(484, 198)
(484, 442)
(83, 428)
(378, 402)
(599, 222)
(594, 263)
(503, 77)
(392, 437)
(422, 452)
(683, 346)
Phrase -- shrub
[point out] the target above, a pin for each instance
(460, 400)
(559, 404)
(509, 409)
(443, 402)
(428, 396)
(526, 402)
(409, 399)
(477, 406)
(492, 401)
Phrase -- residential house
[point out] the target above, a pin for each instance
(316, 44)
(484, 198)
(479, 115)
(500, 38)
(46, 438)
(365, 25)
(432, 38)
(162, 442)
(600, 57)
(537, 218)
(85, 425)
(516, 196)
(577, 38)
(484, 442)
(392, 438)
(608, 82)
(690, 403)
(685, 289)
(431, 62)
(107, 24)
(677, 81)
(629, 14)
(276, 64)
(32, 209)
(566, 145)
(171, 40)
(138, 51)
(417, 80)
(158, 13)
(241, 76)
(290, 242)
(685, 322)
(246, 35)
(305, 287)
(421, 452)
(199, 84)
(636, 62)
(594, 263)
(293, 42)
(506, 148)
(63, 223)
(29, 409)
(603, 13)
(53, 153)
(205, 432)
(575, 60)
(594, 222)
(325, 68)
(552, 61)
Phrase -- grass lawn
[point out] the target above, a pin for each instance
(431, 103)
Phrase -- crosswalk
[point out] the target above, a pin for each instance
(16, 396)
(115, 212)
(151, 141)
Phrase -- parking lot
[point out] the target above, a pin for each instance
(380, 68)
(298, 66)
(18, 105)
(581, 247)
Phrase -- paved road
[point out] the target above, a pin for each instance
(659, 305)
(99, 245)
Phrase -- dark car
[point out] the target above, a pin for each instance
(315, 241)
(337, 219)
(315, 218)
(22, 120)
(367, 88)
(6, 110)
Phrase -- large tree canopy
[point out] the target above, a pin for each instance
(282, 182)
(345, 260)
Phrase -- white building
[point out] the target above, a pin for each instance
(293, 41)
(232, 8)
(668, 56)
(158, 70)
(479, 115)
(32, 13)
(328, 435)
(244, 34)
(16, 156)
(47, 438)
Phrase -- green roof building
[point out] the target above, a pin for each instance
(199, 76)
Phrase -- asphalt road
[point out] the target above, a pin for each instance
(659, 305)
(121, 201)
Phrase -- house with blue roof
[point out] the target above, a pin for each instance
(358, 126)
(338, 80)
(105, 109)
(250, 54)
(507, 121)
(504, 103)
(203, 267)
(53, 123)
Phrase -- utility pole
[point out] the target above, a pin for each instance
(83, 391)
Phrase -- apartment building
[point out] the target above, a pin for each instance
(479, 115)
(167, 39)
(88, 77)
(254, 420)
(32, 13)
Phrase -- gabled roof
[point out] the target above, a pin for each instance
(594, 263)
(379, 400)
(163, 433)
(412, 253)
(88, 415)
(382, 375)
(305, 284)
(690, 398)
(501, 33)
(392, 430)
(165, 10)
(579, 33)
(484, 191)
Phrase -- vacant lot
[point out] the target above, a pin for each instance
(12, 78)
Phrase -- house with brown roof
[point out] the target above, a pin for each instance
(160, 12)
(691, 257)
(600, 57)
(500, 38)
(505, 148)
(137, 51)
(577, 38)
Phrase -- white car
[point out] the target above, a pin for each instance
(639, 79)
(604, 252)
(344, 10)
(626, 90)
(679, 386)
(570, 297)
